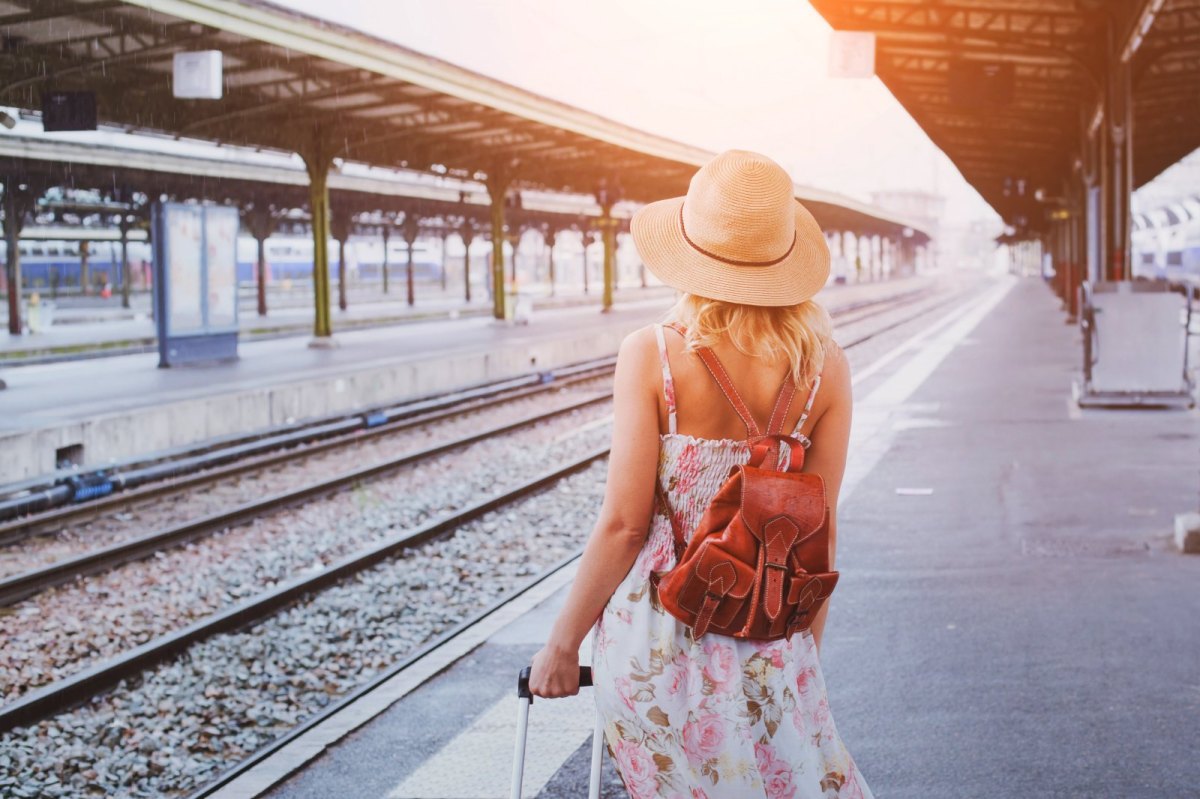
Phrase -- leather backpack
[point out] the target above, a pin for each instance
(757, 565)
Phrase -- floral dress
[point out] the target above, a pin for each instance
(718, 717)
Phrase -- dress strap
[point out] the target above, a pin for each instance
(808, 405)
(783, 404)
(668, 384)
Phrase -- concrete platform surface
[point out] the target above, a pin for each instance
(1012, 618)
(124, 406)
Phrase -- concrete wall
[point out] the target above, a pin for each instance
(117, 436)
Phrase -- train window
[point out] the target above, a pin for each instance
(1148, 258)
(1175, 258)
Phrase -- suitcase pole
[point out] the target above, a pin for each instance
(518, 773)
(597, 755)
(524, 700)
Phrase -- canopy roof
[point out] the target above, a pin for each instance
(1056, 50)
(290, 79)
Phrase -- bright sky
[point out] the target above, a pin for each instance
(715, 74)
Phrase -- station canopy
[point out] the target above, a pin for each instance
(291, 79)
(1046, 63)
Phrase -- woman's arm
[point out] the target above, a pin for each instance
(827, 454)
(624, 519)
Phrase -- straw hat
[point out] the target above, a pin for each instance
(739, 235)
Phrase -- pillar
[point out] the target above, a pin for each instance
(497, 186)
(583, 237)
(317, 158)
(608, 234)
(549, 236)
(125, 276)
(85, 273)
(14, 220)
(467, 232)
(1118, 170)
(410, 229)
(340, 227)
(513, 237)
(445, 234)
(383, 267)
(260, 224)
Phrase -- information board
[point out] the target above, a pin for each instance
(195, 290)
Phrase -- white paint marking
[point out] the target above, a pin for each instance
(476, 763)
(914, 492)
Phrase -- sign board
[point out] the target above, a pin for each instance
(852, 54)
(197, 75)
(195, 285)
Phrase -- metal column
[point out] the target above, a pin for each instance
(317, 159)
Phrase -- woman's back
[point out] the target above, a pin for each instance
(704, 412)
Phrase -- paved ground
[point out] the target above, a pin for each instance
(1023, 630)
(1019, 627)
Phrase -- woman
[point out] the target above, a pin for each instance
(714, 717)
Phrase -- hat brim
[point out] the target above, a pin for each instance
(660, 242)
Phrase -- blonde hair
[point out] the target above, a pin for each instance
(799, 333)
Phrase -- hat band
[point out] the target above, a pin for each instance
(731, 261)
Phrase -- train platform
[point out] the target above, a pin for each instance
(1013, 618)
(113, 409)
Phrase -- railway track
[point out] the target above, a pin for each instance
(62, 694)
(20, 586)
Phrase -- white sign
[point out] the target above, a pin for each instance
(198, 75)
(852, 54)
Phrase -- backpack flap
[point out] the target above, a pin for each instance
(767, 494)
(806, 595)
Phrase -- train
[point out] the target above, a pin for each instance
(49, 264)
(1166, 243)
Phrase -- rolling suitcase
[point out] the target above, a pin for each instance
(524, 701)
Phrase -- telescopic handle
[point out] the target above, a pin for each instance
(585, 679)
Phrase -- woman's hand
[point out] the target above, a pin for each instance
(554, 673)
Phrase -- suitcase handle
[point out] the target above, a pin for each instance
(585, 679)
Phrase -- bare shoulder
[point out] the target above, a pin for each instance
(835, 375)
(639, 345)
(638, 353)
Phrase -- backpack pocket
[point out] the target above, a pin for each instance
(806, 594)
(721, 582)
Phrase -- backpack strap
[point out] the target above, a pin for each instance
(668, 383)
(783, 401)
(710, 361)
